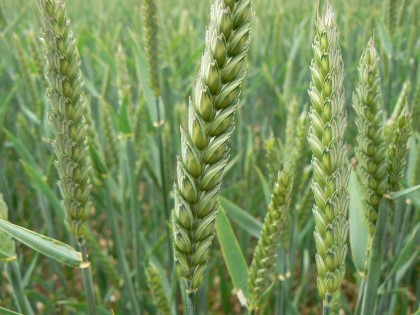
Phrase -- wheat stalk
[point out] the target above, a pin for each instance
(272, 235)
(205, 150)
(329, 160)
(64, 77)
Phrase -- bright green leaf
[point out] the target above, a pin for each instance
(243, 218)
(358, 229)
(4, 311)
(233, 256)
(49, 247)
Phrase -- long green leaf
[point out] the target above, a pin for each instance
(409, 253)
(49, 247)
(233, 256)
(4, 311)
(375, 260)
(358, 229)
(243, 218)
(404, 192)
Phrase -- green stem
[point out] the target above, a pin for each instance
(163, 177)
(326, 310)
(358, 308)
(120, 251)
(190, 304)
(135, 209)
(15, 279)
(375, 261)
(87, 277)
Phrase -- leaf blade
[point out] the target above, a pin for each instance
(232, 254)
(49, 247)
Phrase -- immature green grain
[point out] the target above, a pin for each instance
(272, 236)
(159, 298)
(371, 148)
(67, 120)
(3, 21)
(152, 43)
(66, 117)
(392, 15)
(399, 106)
(292, 117)
(330, 162)
(36, 55)
(111, 142)
(397, 150)
(298, 157)
(123, 81)
(416, 108)
(205, 150)
(272, 157)
(140, 132)
(166, 144)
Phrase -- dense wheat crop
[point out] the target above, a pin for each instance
(209, 157)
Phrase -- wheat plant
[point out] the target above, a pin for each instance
(371, 149)
(329, 160)
(205, 150)
(65, 93)
(272, 236)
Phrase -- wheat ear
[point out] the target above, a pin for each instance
(371, 149)
(159, 298)
(65, 85)
(397, 150)
(265, 254)
(205, 150)
(152, 40)
(330, 162)
(66, 117)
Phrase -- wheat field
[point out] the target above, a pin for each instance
(209, 157)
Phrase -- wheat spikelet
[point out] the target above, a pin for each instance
(299, 154)
(292, 117)
(399, 106)
(205, 150)
(66, 117)
(111, 142)
(151, 41)
(371, 149)
(330, 162)
(272, 157)
(123, 81)
(416, 108)
(265, 254)
(36, 55)
(392, 15)
(158, 293)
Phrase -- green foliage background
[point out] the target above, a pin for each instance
(279, 61)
